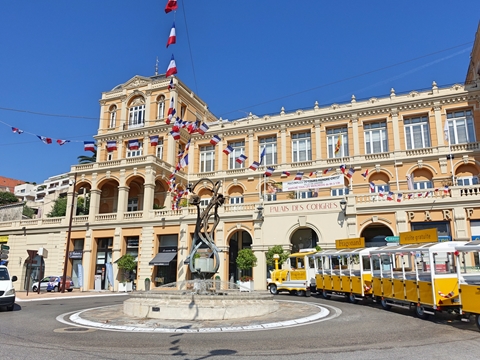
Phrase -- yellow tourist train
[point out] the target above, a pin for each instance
(418, 272)
(297, 275)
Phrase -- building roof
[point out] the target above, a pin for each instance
(10, 183)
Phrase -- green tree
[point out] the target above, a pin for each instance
(83, 204)
(246, 259)
(277, 249)
(59, 207)
(28, 212)
(127, 264)
(84, 159)
(7, 198)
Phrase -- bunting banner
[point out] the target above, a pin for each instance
(154, 140)
(111, 145)
(89, 146)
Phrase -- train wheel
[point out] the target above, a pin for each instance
(420, 312)
(385, 305)
(325, 295)
(273, 289)
(477, 321)
(352, 299)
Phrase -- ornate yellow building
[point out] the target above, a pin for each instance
(406, 161)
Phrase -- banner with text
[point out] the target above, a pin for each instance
(318, 183)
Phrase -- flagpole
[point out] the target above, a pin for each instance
(447, 137)
(396, 169)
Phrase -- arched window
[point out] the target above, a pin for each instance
(113, 116)
(136, 116)
(161, 107)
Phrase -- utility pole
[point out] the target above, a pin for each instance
(67, 247)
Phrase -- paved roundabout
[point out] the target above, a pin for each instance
(289, 314)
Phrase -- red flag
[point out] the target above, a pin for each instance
(171, 6)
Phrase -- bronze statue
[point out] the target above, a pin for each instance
(203, 233)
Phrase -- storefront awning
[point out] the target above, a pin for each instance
(163, 259)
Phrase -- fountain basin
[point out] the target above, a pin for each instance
(178, 305)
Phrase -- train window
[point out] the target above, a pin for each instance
(311, 262)
(366, 263)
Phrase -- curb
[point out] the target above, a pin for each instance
(17, 299)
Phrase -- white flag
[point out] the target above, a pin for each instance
(445, 130)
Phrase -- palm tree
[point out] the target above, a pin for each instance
(84, 159)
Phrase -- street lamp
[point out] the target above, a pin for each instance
(343, 206)
(67, 247)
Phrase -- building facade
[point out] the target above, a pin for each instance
(406, 162)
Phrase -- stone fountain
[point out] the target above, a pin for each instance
(202, 298)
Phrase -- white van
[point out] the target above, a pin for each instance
(7, 291)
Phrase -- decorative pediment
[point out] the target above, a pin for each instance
(135, 82)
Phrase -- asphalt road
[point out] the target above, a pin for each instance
(360, 332)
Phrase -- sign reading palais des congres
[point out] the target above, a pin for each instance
(318, 183)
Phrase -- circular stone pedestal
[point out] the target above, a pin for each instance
(176, 305)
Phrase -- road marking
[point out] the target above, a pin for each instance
(75, 319)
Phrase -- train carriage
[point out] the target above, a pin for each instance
(420, 275)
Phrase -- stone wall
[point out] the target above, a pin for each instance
(11, 212)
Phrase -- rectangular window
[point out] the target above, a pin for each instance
(132, 204)
(136, 116)
(270, 197)
(135, 153)
(270, 146)
(304, 194)
(375, 137)
(460, 127)
(422, 185)
(207, 158)
(417, 134)
(337, 142)
(301, 147)
(236, 200)
(113, 118)
(339, 192)
(109, 157)
(468, 180)
(183, 111)
(204, 202)
(238, 149)
(159, 149)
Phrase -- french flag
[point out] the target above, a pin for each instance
(62, 142)
(203, 129)
(171, 6)
(381, 191)
(176, 135)
(215, 140)
(312, 173)
(184, 161)
(426, 194)
(350, 173)
(410, 196)
(298, 176)
(399, 197)
(172, 39)
(187, 145)
(172, 68)
(343, 168)
(372, 187)
(446, 190)
(192, 127)
(44, 139)
(365, 174)
(154, 140)
(171, 85)
(171, 111)
(286, 173)
(269, 171)
(390, 196)
(254, 166)
(17, 130)
(133, 144)
(241, 159)
(228, 150)
(89, 145)
(111, 145)
(327, 171)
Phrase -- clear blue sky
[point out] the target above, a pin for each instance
(246, 56)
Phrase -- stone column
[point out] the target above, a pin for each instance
(122, 201)
(438, 124)
(94, 204)
(147, 119)
(461, 225)
(123, 121)
(250, 153)
(318, 141)
(146, 252)
(356, 138)
(396, 130)
(182, 252)
(283, 144)
(148, 192)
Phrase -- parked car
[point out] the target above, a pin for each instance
(7, 291)
(53, 283)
